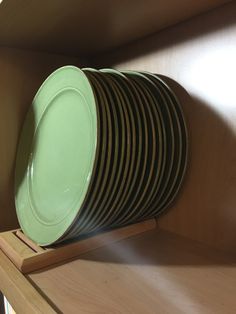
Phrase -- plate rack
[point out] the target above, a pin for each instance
(28, 256)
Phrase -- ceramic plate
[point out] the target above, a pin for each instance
(137, 148)
(159, 145)
(139, 174)
(118, 148)
(124, 129)
(179, 150)
(98, 150)
(149, 158)
(87, 216)
(56, 154)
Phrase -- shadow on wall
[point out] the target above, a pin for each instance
(205, 208)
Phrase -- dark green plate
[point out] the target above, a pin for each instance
(138, 154)
(120, 152)
(129, 204)
(158, 146)
(162, 105)
(92, 209)
(124, 175)
(180, 153)
(153, 128)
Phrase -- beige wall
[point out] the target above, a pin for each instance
(199, 54)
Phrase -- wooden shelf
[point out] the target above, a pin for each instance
(156, 271)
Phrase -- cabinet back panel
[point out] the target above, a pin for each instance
(201, 55)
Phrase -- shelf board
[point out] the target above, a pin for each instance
(155, 270)
(89, 27)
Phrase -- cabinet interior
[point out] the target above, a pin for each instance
(190, 42)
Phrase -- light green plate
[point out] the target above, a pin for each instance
(56, 155)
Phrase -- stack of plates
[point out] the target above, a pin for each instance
(98, 150)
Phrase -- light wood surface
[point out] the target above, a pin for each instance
(28, 257)
(200, 55)
(22, 73)
(156, 272)
(22, 296)
(88, 27)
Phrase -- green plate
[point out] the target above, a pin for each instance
(132, 100)
(183, 147)
(161, 103)
(157, 147)
(148, 159)
(117, 186)
(56, 154)
(98, 209)
(98, 187)
(125, 207)
(180, 151)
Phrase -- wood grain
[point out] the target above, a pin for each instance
(89, 27)
(200, 55)
(15, 249)
(21, 294)
(156, 272)
(22, 72)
